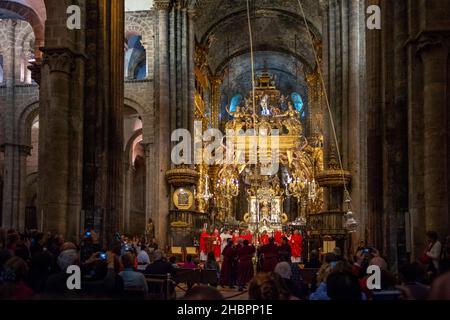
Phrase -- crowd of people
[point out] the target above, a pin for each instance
(34, 266)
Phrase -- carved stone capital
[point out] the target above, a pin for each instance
(324, 6)
(430, 41)
(24, 150)
(162, 5)
(58, 59)
(192, 13)
(35, 69)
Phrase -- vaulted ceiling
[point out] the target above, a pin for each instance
(32, 11)
(280, 40)
(277, 26)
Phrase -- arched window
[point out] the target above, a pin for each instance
(235, 102)
(298, 104)
(1, 69)
(135, 59)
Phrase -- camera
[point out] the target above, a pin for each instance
(102, 255)
(367, 250)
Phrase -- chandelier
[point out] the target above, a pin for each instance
(228, 185)
(206, 195)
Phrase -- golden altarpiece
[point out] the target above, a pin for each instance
(299, 146)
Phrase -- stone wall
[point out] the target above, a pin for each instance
(19, 107)
(19, 97)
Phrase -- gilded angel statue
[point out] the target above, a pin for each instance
(291, 120)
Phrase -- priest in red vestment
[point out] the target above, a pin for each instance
(296, 243)
(270, 255)
(229, 254)
(203, 245)
(278, 237)
(245, 269)
(247, 235)
(264, 239)
(217, 244)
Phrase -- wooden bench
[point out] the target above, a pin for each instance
(209, 276)
(196, 276)
(160, 287)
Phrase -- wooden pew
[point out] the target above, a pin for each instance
(160, 287)
(209, 276)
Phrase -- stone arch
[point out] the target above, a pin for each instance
(24, 51)
(137, 26)
(130, 102)
(131, 143)
(130, 217)
(31, 16)
(25, 122)
(3, 38)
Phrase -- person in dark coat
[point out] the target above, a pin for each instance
(229, 256)
(245, 269)
(270, 255)
(284, 250)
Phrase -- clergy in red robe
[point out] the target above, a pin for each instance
(229, 257)
(245, 268)
(217, 244)
(203, 245)
(264, 239)
(247, 235)
(278, 237)
(270, 255)
(296, 243)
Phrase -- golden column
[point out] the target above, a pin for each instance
(216, 82)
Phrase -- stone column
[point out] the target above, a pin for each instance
(9, 214)
(354, 111)
(374, 145)
(146, 46)
(161, 195)
(191, 69)
(24, 153)
(54, 139)
(434, 54)
(415, 137)
(185, 60)
(128, 178)
(150, 189)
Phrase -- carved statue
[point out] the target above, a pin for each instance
(150, 229)
(264, 104)
(238, 118)
(291, 120)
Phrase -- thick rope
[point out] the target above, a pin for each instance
(252, 63)
(347, 194)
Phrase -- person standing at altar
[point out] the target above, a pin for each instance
(287, 234)
(224, 236)
(264, 239)
(217, 244)
(246, 235)
(203, 245)
(278, 235)
(270, 255)
(235, 237)
(284, 250)
(296, 243)
(229, 254)
(245, 268)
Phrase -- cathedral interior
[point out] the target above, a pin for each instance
(87, 116)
